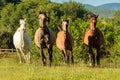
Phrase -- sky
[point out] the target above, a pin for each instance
(91, 2)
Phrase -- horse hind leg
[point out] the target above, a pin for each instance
(98, 57)
(28, 57)
(71, 57)
(91, 57)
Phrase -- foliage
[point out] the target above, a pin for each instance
(5, 39)
(117, 16)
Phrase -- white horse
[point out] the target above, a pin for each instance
(22, 42)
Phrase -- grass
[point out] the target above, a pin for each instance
(10, 69)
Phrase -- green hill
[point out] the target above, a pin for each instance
(105, 10)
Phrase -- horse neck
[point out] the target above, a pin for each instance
(92, 26)
(22, 26)
(22, 37)
(65, 28)
(42, 23)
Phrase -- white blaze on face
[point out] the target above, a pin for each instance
(42, 20)
(64, 25)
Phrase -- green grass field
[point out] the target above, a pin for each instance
(10, 69)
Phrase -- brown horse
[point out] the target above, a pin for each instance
(93, 39)
(64, 42)
(44, 37)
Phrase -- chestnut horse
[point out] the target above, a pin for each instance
(65, 42)
(44, 37)
(93, 39)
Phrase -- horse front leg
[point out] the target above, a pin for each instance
(24, 57)
(50, 55)
(98, 56)
(19, 55)
(43, 56)
(64, 52)
(91, 57)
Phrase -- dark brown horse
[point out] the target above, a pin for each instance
(65, 42)
(44, 37)
(93, 39)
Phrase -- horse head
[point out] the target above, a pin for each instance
(43, 18)
(65, 25)
(93, 20)
(23, 24)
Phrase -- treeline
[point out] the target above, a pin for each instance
(76, 13)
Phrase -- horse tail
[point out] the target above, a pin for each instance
(59, 28)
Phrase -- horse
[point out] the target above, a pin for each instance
(22, 42)
(44, 38)
(93, 39)
(64, 42)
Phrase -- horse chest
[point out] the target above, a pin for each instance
(44, 39)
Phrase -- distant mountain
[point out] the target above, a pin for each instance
(89, 6)
(111, 6)
(105, 10)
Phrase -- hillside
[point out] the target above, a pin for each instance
(110, 6)
(105, 10)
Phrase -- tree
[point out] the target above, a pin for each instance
(117, 17)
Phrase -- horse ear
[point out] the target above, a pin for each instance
(48, 19)
(89, 16)
(20, 21)
(42, 12)
(62, 20)
(97, 15)
(67, 21)
(25, 19)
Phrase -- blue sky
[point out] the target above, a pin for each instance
(92, 2)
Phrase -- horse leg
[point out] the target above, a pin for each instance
(43, 56)
(71, 57)
(68, 56)
(28, 57)
(19, 55)
(91, 57)
(64, 55)
(98, 56)
(23, 55)
(50, 55)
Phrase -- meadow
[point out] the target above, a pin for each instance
(10, 69)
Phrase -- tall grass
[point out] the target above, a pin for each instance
(10, 69)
